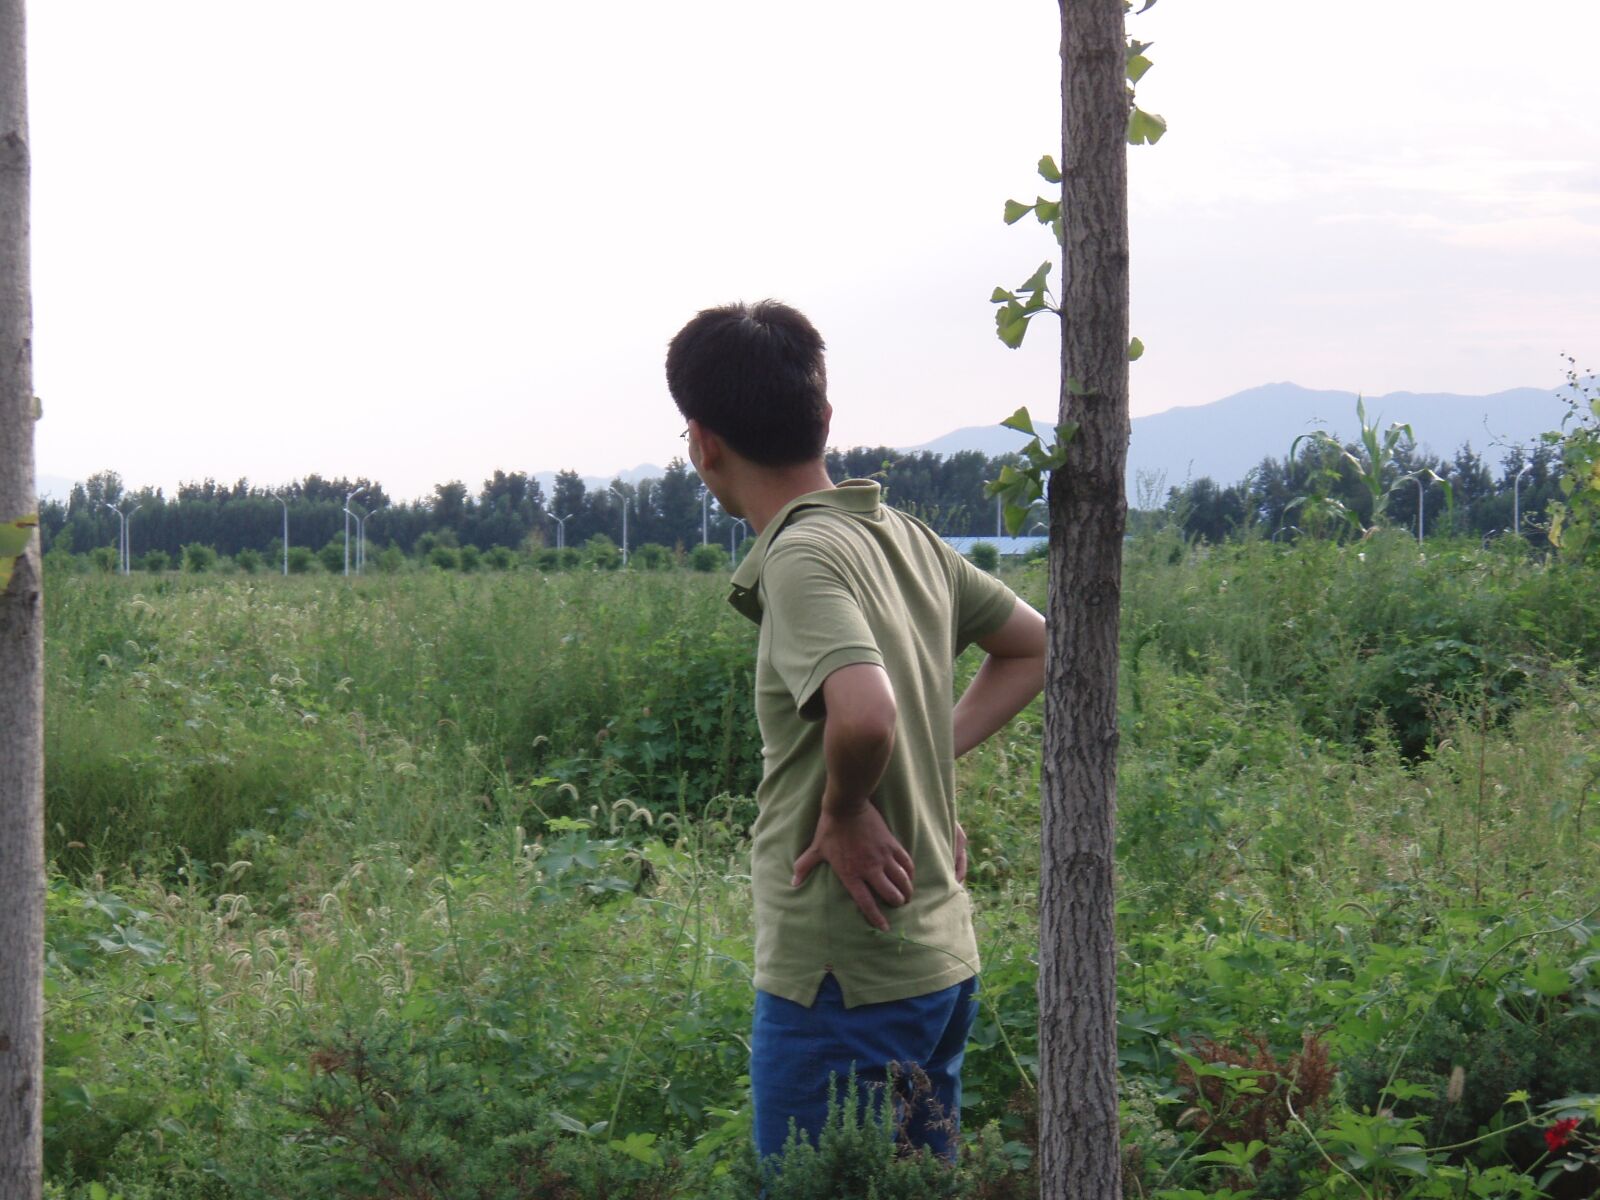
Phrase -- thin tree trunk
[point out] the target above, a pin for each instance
(21, 661)
(1079, 1150)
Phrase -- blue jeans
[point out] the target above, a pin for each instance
(794, 1050)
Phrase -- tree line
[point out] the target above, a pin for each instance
(511, 510)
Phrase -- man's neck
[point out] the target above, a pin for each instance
(766, 492)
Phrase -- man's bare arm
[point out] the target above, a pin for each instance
(1010, 677)
(851, 836)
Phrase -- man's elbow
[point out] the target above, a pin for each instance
(868, 720)
(1021, 637)
(861, 704)
(874, 725)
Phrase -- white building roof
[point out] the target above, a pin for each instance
(1009, 547)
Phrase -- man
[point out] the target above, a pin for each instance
(865, 954)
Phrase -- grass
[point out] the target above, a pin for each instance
(435, 885)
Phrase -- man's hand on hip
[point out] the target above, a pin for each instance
(865, 856)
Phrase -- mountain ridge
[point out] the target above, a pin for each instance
(1224, 439)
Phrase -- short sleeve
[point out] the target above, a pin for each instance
(983, 603)
(818, 624)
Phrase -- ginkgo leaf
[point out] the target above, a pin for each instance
(14, 539)
(1021, 422)
(1145, 128)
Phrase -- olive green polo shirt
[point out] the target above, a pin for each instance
(839, 578)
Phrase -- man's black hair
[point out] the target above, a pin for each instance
(753, 374)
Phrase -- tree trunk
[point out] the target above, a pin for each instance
(21, 661)
(1079, 1144)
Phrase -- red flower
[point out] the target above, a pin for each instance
(1556, 1136)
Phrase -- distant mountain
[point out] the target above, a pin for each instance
(991, 440)
(1226, 438)
(547, 479)
(54, 487)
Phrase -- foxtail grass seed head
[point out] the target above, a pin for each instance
(1457, 1085)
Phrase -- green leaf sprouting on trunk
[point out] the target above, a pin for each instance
(14, 539)
(1020, 487)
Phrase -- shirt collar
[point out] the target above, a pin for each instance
(853, 496)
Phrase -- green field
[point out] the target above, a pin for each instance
(433, 885)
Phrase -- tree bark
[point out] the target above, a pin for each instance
(21, 661)
(1079, 1145)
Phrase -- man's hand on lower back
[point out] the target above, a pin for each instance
(865, 856)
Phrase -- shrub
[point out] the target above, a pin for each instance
(199, 558)
(551, 559)
(156, 561)
(1252, 1096)
(863, 1157)
(445, 558)
(687, 731)
(58, 560)
(390, 559)
(601, 553)
(651, 556)
(249, 560)
(984, 555)
(389, 1109)
(301, 560)
(500, 558)
(708, 557)
(62, 541)
(332, 556)
(471, 558)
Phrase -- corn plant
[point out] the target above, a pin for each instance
(1575, 518)
(1374, 465)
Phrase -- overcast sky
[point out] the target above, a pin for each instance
(421, 241)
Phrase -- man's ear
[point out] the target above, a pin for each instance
(827, 420)
(711, 447)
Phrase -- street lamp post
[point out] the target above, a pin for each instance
(1416, 479)
(285, 504)
(127, 541)
(361, 537)
(1516, 499)
(124, 547)
(624, 497)
(736, 530)
(561, 529)
(347, 515)
(360, 520)
(122, 538)
(705, 515)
